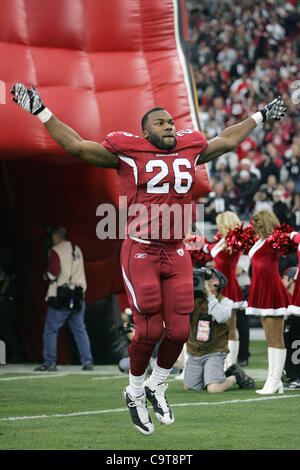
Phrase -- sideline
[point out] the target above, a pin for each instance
(119, 410)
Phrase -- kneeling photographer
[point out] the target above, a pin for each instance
(65, 299)
(207, 344)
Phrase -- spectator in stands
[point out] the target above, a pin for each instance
(294, 216)
(227, 56)
(217, 203)
(290, 191)
(275, 30)
(267, 168)
(292, 165)
(246, 164)
(271, 186)
(221, 169)
(230, 191)
(280, 208)
(262, 201)
(254, 156)
(247, 186)
(275, 154)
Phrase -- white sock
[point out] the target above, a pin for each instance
(136, 385)
(158, 376)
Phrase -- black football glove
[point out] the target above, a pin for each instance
(274, 110)
(28, 99)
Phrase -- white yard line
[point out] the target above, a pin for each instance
(119, 410)
(257, 374)
(60, 374)
(22, 377)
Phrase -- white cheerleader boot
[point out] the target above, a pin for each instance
(274, 385)
(279, 356)
(231, 357)
(270, 372)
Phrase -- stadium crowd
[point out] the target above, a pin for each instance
(244, 54)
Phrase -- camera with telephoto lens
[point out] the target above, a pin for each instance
(67, 298)
(199, 276)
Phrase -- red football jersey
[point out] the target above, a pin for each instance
(157, 183)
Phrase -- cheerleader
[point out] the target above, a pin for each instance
(268, 297)
(294, 307)
(226, 260)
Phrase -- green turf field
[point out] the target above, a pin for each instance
(76, 410)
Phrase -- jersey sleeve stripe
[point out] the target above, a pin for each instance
(132, 163)
(196, 160)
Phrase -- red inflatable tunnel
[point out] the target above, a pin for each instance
(99, 66)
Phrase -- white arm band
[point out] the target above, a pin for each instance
(258, 117)
(51, 276)
(44, 115)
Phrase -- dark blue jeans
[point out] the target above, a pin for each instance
(55, 319)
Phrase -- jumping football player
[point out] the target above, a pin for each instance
(155, 169)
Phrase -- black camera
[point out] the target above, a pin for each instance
(204, 274)
(124, 329)
(67, 298)
(199, 276)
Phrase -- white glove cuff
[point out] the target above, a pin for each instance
(258, 117)
(292, 234)
(44, 115)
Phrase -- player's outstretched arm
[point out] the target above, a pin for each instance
(232, 136)
(90, 152)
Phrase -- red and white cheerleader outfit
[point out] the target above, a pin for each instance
(268, 295)
(294, 307)
(227, 264)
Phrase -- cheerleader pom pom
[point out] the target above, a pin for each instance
(217, 237)
(249, 238)
(280, 239)
(193, 242)
(201, 257)
(235, 239)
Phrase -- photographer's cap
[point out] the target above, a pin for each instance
(291, 272)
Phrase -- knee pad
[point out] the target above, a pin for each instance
(180, 335)
(150, 298)
(149, 329)
(184, 298)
